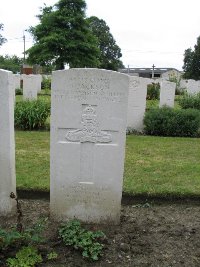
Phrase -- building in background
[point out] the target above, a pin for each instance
(151, 72)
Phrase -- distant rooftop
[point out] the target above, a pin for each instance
(146, 72)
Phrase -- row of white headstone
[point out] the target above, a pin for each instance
(190, 86)
(137, 99)
(31, 85)
(88, 131)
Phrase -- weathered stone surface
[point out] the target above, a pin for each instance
(7, 143)
(39, 82)
(16, 78)
(167, 93)
(190, 86)
(137, 102)
(30, 86)
(88, 131)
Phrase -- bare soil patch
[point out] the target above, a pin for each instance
(157, 235)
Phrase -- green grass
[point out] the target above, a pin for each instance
(32, 159)
(162, 166)
(41, 96)
(153, 165)
(155, 103)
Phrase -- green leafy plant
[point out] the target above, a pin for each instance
(34, 234)
(52, 255)
(25, 257)
(23, 240)
(9, 238)
(153, 91)
(172, 122)
(190, 101)
(74, 235)
(31, 115)
(46, 83)
(173, 77)
(18, 91)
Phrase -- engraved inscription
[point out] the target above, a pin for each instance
(90, 131)
(134, 84)
(98, 95)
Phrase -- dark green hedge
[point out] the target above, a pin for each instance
(172, 122)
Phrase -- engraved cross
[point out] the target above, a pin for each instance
(88, 136)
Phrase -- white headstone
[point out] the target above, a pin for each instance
(193, 87)
(30, 87)
(39, 81)
(88, 132)
(137, 102)
(7, 143)
(183, 84)
(16, 80)
(167, 93)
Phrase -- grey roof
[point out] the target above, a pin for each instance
(145, 70)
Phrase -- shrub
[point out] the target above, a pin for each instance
(153, 91)
(18, 91)
(172, 122)
(31, 115)
(46, 83)
(190, 101)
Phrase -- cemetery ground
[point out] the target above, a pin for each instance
(160, 216)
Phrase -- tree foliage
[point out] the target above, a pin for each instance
(12, 63)
(191, 65)
(63, 37)
(2, 39)
(110, 51)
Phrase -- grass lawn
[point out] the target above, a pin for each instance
(32, 159)
(153, 165)
(155, 103)
(162, 166)
(41, 96)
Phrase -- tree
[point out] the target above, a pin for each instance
(191, 65)
(2, 39)
(110, 51)
(63, 37)
(12, 63)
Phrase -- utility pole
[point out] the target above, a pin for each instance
(153, 71)
(24, 39)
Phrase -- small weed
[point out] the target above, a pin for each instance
(87, 241)
(23, 240)
(52, 255)
(26, 257)
(144, 205)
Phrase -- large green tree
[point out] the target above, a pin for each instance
(2, 39)
(191, 65)
(63, 37)
(110, 51)
(12, 63)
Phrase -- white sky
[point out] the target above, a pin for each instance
(147, 32)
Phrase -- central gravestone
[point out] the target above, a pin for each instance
(88, 131)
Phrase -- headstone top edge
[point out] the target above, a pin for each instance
(85, 70)
(5, 71)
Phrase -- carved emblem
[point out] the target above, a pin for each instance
(90, 131)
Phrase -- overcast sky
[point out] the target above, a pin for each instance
(148, 32)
